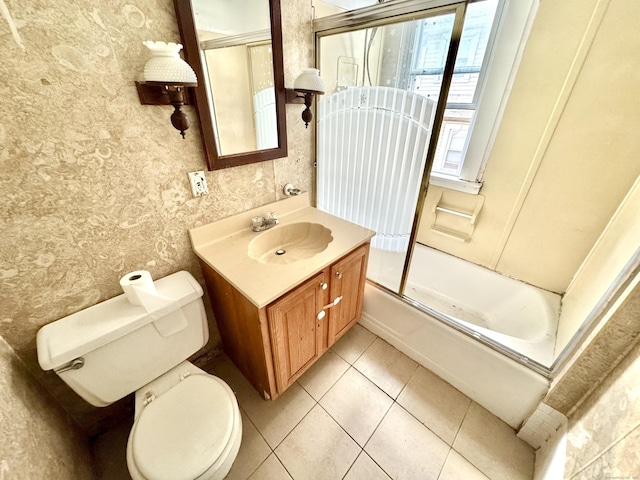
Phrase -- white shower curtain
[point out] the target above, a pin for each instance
(372, 149)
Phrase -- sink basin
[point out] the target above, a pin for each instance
(290, 243)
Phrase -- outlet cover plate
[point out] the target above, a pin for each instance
(198, 183)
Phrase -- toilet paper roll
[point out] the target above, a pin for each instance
(137, 286)
(164, 312)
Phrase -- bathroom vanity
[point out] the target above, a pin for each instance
(279, 312)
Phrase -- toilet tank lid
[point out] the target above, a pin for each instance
(70, 337)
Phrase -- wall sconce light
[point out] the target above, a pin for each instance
(166, 77)
(306, 85)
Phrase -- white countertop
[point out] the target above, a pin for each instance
(224, 244)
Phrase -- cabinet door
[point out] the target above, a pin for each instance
(347, 281)
(296, 332)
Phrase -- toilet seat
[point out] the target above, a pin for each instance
(183, 432)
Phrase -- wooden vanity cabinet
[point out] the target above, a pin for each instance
(295, 330)
(272, 346)
(347, 279)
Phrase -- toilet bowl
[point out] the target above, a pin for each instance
(187, 424)
(190, 431)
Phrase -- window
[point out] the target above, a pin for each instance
(479, 87)
(411, 55)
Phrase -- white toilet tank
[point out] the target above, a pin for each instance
(114, 348)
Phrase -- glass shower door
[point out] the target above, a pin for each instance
(375, 126)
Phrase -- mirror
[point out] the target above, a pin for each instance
(236, 51)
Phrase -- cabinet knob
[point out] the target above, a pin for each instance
(323, 285)
(321, 315)
(339, 275)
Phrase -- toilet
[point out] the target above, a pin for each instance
(187, 423)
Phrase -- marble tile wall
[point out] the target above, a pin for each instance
(36, 438)
(93, 184)
(604, 432)
(604, 348)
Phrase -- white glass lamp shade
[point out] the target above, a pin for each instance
(309, 81)
(166, 66)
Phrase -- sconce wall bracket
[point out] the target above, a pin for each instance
(293, 96)
(168, 93)
(155, 94)
(302, 97)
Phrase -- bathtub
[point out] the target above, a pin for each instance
(493, 309)
(511, 313)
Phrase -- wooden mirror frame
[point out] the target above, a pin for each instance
(186, 24)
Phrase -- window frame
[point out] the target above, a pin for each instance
(514, 19)
(509, 32)
(506, 44)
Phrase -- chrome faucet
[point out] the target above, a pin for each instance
(260, 224)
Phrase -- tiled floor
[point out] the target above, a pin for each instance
(365, 411)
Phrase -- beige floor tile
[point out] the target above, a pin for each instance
(275, 419)
(225, 369)
(405, 448)
(357, 405)
(387, 367)
(271, 469)
(492, 446)
(323, 374)
(253, 451)
(457, 468)
(353, 343)
(435, 403)
(365, 469)
(317, 449)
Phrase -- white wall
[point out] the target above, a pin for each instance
(565, 154)
(618, 243)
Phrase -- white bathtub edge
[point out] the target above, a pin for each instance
(504, 387)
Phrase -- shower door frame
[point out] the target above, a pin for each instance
(397, 12)
(392, 13)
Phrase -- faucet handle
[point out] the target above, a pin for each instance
(257, 222)
(271, 215)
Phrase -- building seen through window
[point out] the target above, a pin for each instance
(429, 56)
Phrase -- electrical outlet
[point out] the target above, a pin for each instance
(198, 183)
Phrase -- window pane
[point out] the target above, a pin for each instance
(431, 50)
(453, 136)
(473, 46)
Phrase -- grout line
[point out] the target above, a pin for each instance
(299, 421)
(463, 419)
(369, 439)
(444, 463)
(259, 465)
(404, 387)
(261, 436)
(283, 465)
(330, 387)
(611, 446)
(456, 437)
